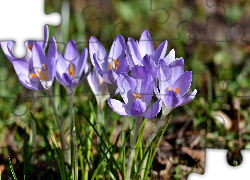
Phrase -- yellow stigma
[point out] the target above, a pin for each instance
(71, 70)
(116, 62)
(136, 97)
(176, 90)
(31, 47)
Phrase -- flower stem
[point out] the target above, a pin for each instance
(33, 126)
(75, 161)
(165, 112)
(60, 125)
(132, 147)
(99, 119)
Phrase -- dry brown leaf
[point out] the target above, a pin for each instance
(196, 154)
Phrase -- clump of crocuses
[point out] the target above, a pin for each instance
(135, 71)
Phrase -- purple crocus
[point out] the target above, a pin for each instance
(7, 46)
(137, 94)
(174, 83)
(70, 67)
(38, 73)
(136, 53)
(109, 67)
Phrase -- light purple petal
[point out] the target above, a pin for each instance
(21, 66)
(160, 52)
(25, 81)
(39, 57)
(171, 99)
(148, 62)
(95, 47)
(145, 87)
(153, 110)
(85, 75)
(71, 53)
(62, 64)
(117, 50)
(146, 45)
(176, 69)
(170, 57)
(97, 67)
(123, 66)
(133, 54)
(138, 107)
(52, 53)
(118, 107)
(138, 72)
(7, 47)
(67, 80)
(59, 78)
(187, 98)
(43, 44)
(126, 87)
(183, 83)
(110, 77)
(81, 63)
(164, 76)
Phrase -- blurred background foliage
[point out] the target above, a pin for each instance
(212, 37)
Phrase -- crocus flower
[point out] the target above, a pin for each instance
(136, 51)
(70, 67)
(137, 94)
(109, 67)
(7, 46)
(97, 85)
(38, 73)
(174, 83)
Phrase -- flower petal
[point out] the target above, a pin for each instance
(117, 50)
(148, 62)
(95, 47)
(21, 66)
(170, 57)
(39, 57)
(123, 66)
(146, 45)
(118, 107)
(171, 99)
(138, 107)
(138, 72)
(126, 87)
(110, 77)
(153, 110)
(183, 83)
(81, 63)
(97, 67)
(7, 47)
(187, 98)
(43, 44)
(133, 54)
(164, 76)
(177, 69)
(160, 52)
(71, 53)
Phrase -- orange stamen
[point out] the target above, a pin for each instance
(46, 74)
(31, 47)
(116, 62)
(71, 70)
(34, 76)
(176, 90)
(136, 97)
